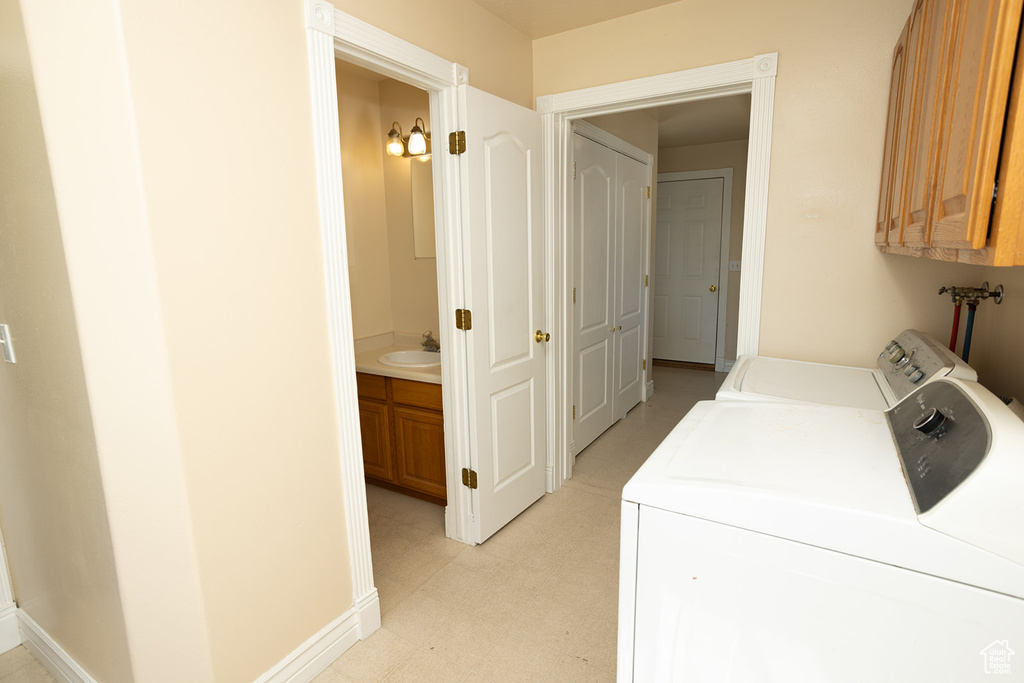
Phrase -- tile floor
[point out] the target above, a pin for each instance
(18, 666)
(535, 602)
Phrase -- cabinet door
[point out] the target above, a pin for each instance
(419, 450)
(930, 26)
(887, 228)
(376, 436)
(980, 66)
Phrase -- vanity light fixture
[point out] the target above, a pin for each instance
(395, 146)
(417, 140)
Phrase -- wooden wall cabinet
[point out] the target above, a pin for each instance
(954, 128)
(402, 427)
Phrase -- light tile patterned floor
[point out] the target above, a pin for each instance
(18, 666)
(538, 600)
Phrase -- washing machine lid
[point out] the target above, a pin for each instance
(822, 475)
(764, 378)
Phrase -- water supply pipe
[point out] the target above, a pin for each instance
(972, 306)
(957, 303)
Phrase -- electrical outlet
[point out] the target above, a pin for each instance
(734, 266)
(6, 344)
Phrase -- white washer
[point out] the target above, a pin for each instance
(781, 542)
(912, 359)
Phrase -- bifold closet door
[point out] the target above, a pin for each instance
(610, 221)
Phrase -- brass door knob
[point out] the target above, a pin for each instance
(713, 288)
(541, 336)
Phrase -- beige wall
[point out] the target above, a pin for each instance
(719, 155)
(829, 295)
(499, 58)
(366, 221)
(52, 506)
(413, 280)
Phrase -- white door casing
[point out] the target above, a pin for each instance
(686, 269)
(504, 234)
(755, 75)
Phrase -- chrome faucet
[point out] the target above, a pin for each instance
(429, 343)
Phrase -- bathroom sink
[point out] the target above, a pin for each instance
(411, 359)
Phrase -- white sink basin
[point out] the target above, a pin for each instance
(411, 359)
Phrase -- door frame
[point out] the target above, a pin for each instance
(601, 137)
(331, 34)
(723, 261)
(755, 76)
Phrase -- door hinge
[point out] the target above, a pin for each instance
(574, 170)
(468, 478)
(647, 279)
(463, 319)
(457, 142)
(574, 411)
(645, 363)
(574, 295)
(648, 191)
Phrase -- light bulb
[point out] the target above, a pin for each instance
(395, 147)
(417, 141)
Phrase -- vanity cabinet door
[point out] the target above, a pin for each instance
(419, 450)
(376, 437)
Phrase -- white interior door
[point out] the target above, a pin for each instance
(633, 219)
(504, 262)
(686, 269)
(593, 310)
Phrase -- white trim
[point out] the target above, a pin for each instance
(316, 654)
(330, 34)
(648, 389)
(726, 174)
(9, 637)
(755, 76)
(48, 653)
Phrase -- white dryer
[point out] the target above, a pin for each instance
(795, 542)
(912, 359)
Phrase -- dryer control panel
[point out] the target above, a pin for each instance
(942, 437)
(913, 358)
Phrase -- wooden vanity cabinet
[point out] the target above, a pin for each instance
(402, 428)
(950, 132)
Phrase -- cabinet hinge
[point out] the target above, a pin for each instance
(645, 363)
(468, 478)
(574, 295)
(463, 319)
(648, 191)
(457, 142)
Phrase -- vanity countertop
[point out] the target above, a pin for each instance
(366, 361)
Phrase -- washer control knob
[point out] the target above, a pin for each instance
(916, 377)
(910, 370)
(928, 423)
(896, 354)
(891, 345)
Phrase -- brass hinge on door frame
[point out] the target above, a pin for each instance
(574, 295)
(457, 142)
(574, 411)
(645, 363)
(574, 170)
(468, 478)
(463, 319)
(648, 191)
(646, 280)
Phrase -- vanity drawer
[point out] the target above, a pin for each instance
(371, 386)
(419, 394)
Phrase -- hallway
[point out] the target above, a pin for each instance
(538, 600)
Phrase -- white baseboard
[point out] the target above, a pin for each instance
(649, 390)
(317, 653)
(10, 638)
(48, 653)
